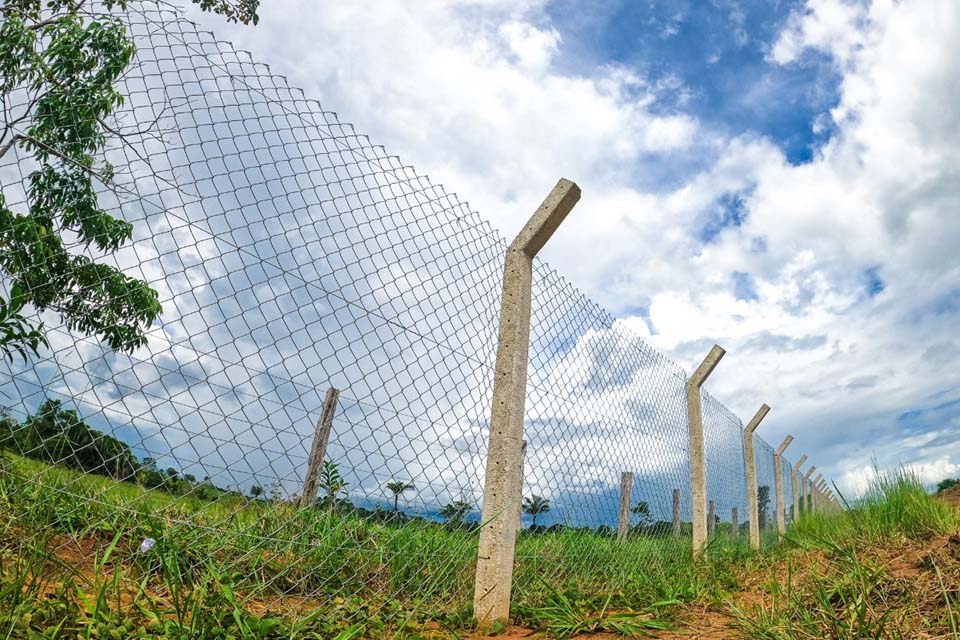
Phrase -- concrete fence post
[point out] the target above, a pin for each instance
(816, 492)
(807, 489)
(795, 486)
(750, 461)
(735, 521)
(778, 483)
(495, 553)
(626, 490)
(318, 450)
(676, 513)
(711, 520)
(698, 465)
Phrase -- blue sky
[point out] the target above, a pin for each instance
(779, 177)
(716, 54)
(776, 177)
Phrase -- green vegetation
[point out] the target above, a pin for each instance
(947, 483)
(397, 488)
(73, 564)
(57, 435)
(534, 506)
(887, 567)
(221, 567)
(60, 62)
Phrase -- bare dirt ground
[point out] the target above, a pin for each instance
(698, 624)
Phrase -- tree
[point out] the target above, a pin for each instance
(763, 503)
(331, 482)
(256, 491)
(58, 436)
(397, 487)
(642, 509)
(947, 483)
(60, 61)
(456, 511)
(534, 506)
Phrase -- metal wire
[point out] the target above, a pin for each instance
(292, 255)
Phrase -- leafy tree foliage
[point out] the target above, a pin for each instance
(456, 511)
(642, 509)
(763, 505)
(56, 435)
(332, 483)
(60, 61)
(947, 483)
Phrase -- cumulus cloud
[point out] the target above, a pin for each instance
(846, 325)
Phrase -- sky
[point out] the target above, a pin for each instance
(780, 178)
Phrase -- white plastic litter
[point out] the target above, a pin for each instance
(147, 544)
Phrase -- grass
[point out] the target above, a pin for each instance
(888, 567)
(256, 569)
(71, 567)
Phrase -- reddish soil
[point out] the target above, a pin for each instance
(951, 496)
(699, 624)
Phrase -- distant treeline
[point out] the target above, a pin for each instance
(56, 435)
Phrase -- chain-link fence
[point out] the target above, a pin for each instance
(292, 255)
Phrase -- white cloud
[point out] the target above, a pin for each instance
(479, 97)
(858, 482)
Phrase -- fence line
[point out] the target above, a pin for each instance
(293, 257)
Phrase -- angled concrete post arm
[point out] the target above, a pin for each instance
(546, 219)
(799, 463)
(783, 446)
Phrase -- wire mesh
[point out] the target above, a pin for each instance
(292, 255)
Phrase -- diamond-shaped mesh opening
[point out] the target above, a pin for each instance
(292, 255)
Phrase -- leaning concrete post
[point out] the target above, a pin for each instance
(795, 486)
(816, 492)
(676, 513)
(318, 450)
(778, 483)
(807, 489)
(823, 494)
(750, 461)
(491, 598)
(698, 465)
(626, 489)
(735, 521)
(711, 519)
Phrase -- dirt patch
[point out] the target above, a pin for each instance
(697, 623)
(951, 496)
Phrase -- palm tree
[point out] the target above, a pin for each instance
(534, 506)
(397, 487)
